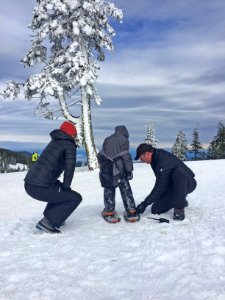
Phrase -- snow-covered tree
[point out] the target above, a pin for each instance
(150, 134)
(217, 146)
(180, 146)
(196, 144)
(69, 37)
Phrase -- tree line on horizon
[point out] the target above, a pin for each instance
(9, 161)
(216, 149)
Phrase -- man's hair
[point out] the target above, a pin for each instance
(142, 148)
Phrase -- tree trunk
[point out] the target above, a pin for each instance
(84, 127)
(88, 138)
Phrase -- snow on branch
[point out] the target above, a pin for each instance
(12, 89)
(70, 38)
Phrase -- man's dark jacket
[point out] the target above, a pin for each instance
(117, 146)
(163, 165)
(58, 156)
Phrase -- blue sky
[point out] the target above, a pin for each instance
(168, 66)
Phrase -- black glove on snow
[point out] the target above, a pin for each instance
(141, 208)
(129, 175)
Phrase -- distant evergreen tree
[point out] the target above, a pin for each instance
(196, 144)
(1, 166)
(216, 148)
(180, 146)
(150, 139)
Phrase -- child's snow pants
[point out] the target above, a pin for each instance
(126, 194)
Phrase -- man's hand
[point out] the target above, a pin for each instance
(141, 208)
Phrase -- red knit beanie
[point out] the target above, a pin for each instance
(68, 128)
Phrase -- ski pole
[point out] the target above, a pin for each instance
(161, 220)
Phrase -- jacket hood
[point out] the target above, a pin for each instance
(122, 130)
(58, 134)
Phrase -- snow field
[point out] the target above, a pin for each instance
(96, 260)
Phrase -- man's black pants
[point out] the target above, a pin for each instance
(61, 203)
(180, 185)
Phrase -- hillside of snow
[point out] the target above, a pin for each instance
(96, 260)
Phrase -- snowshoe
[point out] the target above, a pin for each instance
(131, 216)
(111, 217)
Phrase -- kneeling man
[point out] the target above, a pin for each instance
(174, 180)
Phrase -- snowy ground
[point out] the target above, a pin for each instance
(96, 260)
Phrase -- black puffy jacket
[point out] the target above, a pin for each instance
(58, 156)
(163, 165)
(117, 145)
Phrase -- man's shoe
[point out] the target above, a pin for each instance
(178, 214)
(131, 216)
(45, 225)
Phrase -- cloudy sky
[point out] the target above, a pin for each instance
(168, 66)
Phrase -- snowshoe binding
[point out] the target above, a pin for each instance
(131, 216)
(111, 217)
